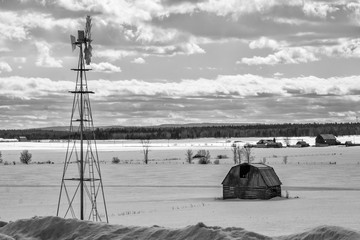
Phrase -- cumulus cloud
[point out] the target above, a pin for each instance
(343, 48)
(246, 98)
(18, 25)
(234, 86)
(138, 60)
(293, 55)
(285, 54)
(11, 31)
(33, 88)
(236, 8)
(5, 67)
(5, 49)
(105, 67)
(278, 74)
(264, 42)
(231, 85)
(250, 96)
(143, 27)
(318, 9)
(197, 34)
(113, 55)
(188, 48)
(44, 58)
(20, 59)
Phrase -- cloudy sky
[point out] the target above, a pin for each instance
(182, 61)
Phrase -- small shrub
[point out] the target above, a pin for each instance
(6, 163)
(285, 159)
(217, 161)
(222, 156)
(287, 194)
(115, 160)
(204, 156)
(204, 161)
(25, 157)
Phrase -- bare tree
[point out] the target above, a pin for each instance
(207, 156)
(1, 160)
(248, 155)
(239, 152)
(189, 155)
(234, 150)
(145, 145)
(25, 157)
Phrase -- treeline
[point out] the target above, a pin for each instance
(183, 132)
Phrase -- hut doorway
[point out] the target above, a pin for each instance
(244, 170)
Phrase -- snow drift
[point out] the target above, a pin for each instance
(51, 228)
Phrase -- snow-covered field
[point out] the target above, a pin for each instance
(171, 193)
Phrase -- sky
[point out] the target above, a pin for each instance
(182, 61)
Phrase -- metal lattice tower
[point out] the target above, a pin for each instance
(81, 185)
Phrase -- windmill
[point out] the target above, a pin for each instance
(85, 191)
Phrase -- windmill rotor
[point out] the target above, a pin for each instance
(84, 37)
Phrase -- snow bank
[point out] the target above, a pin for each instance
(57, 228)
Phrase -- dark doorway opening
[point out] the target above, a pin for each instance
(244, 170)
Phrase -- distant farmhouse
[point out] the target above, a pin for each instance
(323, 140)
(300, 144)
(23, 139)
(251, 181)
(271, 143)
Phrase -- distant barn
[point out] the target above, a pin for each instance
(251, 181)
(326, 140)
(22, 139)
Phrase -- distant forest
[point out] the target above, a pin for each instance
(183, 132)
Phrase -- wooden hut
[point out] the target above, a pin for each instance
(326, 140)
(251, 181)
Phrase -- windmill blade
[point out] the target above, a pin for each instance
(88, 47)
(88, 28)
(90, 50)
(87, 53)
(73, 42)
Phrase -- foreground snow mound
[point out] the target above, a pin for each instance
(51, 228)
(325, 232)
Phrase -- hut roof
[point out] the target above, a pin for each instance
(261, 174)
(328, 136)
